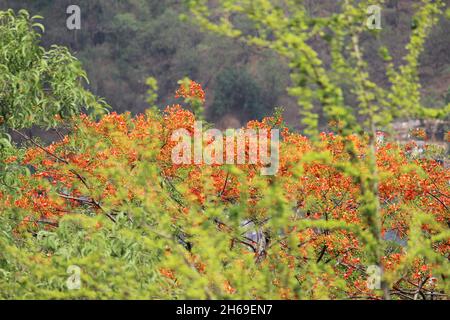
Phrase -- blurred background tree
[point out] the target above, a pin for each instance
(121, 43)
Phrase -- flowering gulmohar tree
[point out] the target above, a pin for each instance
(202, 231)
(346, 216)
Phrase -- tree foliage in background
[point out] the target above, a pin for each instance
(237, 92)
(121, 43)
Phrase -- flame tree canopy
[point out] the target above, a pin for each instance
(345, 217)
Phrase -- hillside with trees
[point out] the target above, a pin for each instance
(122, 43)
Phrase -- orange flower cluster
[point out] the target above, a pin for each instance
(193, 90)
(419, 133)
(95, 165)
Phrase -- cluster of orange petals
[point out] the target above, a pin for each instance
(194, 90)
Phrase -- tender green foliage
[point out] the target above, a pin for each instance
(38, 84)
